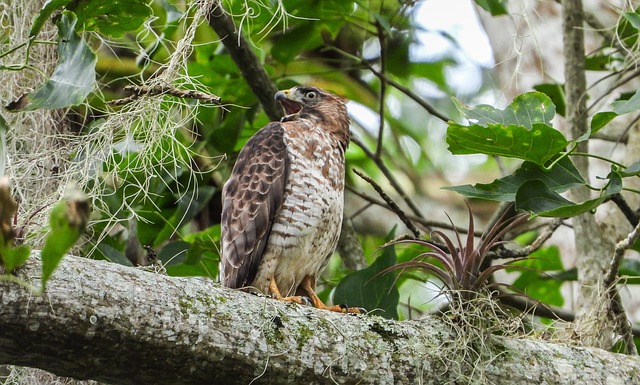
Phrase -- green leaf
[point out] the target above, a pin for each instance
(371, 290)
(292, 43)
(600, 120)
(536, 197)
(495, 7)
(111, 254)
(554, 91)
(174, 253)
(65, 231)
(182, 259)
(632, 170)
(537, 285)
(633, 18)
(11, 256)
(560, 178)
(598, 62)
(525, 110)
(74, 77)
(45, 13)
(187, 208)
(538, 144)
(622, 107)
(112, 18)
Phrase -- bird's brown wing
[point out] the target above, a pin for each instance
(250, 200)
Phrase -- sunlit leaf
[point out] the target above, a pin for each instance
(554, 91)
(538, 144)
(525, 110)
(560, 178)
(368, 289)
(74, 77)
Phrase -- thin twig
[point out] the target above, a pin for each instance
(383, 87)
(615, 302)
(394, 207)
(427, 224)
(624, 207)
(143, 90)
(387, 173)
(535, 245)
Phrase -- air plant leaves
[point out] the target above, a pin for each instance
(560, 178)
(370, 288)
(74, 77)
(536, 197)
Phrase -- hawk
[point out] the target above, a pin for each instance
(282, 205)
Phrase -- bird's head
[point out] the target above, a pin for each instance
(304, 99)
(316, 104)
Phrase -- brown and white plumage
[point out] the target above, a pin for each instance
(282, 205)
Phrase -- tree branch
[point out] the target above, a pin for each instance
(123, 325)
(247, 61)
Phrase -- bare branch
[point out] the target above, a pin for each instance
(138, 91)
(394, 207)
(247, 61)
(387, 173)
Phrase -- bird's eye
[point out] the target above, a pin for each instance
(311, 95)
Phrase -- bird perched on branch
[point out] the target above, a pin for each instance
(282, 205)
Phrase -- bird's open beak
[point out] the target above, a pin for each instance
(290, 105)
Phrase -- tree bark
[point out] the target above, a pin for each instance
(593, 251)
(123, 325)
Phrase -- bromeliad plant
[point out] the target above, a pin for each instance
(461, 266)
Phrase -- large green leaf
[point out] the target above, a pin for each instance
(538, 144)
(371, 290)
(560, 178)
(525, 110)
(536, 197)
(112, 18)
(74, 77)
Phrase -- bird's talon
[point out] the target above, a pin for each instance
(306, 300)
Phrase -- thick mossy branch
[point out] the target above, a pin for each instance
(123, 325)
